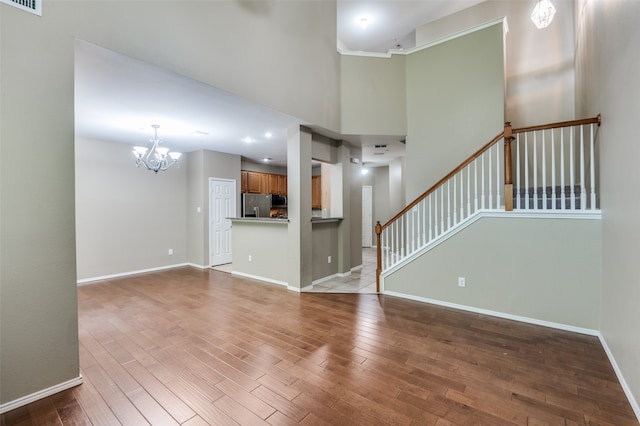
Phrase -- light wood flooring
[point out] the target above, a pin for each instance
(195, 347)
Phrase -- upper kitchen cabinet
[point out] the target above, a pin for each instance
(263, 183)
(282, 184)
(243, 180)
(316, 192)
(254, 182)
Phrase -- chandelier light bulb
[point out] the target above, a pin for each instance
(543, 13)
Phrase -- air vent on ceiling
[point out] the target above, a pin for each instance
(380, 146)
(33, 6)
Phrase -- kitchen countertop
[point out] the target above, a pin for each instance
(325, 219)
(282, 219)
(260, 219)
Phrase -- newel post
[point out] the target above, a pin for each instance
(378, 255)
(508, 175)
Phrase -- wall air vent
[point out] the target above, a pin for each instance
(33, 6)
(380, 146)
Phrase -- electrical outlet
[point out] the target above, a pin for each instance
(170, 252)
(462, 282)
(249, 258)
(329, 259)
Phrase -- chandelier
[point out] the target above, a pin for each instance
(156, 159)
(542, 14)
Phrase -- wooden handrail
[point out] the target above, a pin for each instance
(597, 120)
(507, 134)
(462, 165)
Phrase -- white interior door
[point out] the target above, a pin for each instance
(222, 205)
(367, 215)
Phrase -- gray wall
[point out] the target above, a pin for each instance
(295, 44)
(539, 63)
(543, 269)
(127, 218)
(324, 244)
(264, 242)
(455, 104)
(38, 307)
(213, 165)
(607, 69)
(263, 168)
(373, 97)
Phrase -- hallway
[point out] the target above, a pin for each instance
(362, 280)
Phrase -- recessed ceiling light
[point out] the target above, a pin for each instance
(364, 22)
(268, 135)
(248, 140)
(267, 159)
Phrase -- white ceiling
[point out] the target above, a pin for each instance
(391, 24)
(118, 98)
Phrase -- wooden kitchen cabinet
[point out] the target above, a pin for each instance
(282, 185)
(316, 192)
(264, 183)
(253, 182)
(273, 184)
(243, 181)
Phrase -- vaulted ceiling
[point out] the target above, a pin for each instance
(118, 98)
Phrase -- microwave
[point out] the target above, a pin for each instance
(278, 201)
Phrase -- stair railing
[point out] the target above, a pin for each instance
(556, 166)
(476, 184)
(483, 180)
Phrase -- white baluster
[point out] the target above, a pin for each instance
(544, 174)
(396, 247)
(383, 240)
(526, 170)
(593, 167)
(553, 170)
(448, 204)
(571, 171)
(455, 197)
(424, 221)
(469, 189)
(563, 193)
(475, 179)
(518, 171)
(535, 171)
(583, 190)
(488, 154)
(482, 180)
(498, 190)
(462, 194)
(430, 219)
(442, 210)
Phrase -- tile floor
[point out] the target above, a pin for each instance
(361, 280)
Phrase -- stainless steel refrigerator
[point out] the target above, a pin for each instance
(256, 205)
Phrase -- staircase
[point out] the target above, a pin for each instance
(555, 172)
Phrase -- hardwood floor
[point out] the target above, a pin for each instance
(198, 347)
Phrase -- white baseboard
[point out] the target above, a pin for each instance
(139, 271)
(630, 397)
(28, 399)
(259, 278)
(203, 267)
(473, 309)
(623, 382)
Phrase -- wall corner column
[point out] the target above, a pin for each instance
(299, 207)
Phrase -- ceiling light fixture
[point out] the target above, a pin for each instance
(364, 23)
(157, 159)
(543, 13)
